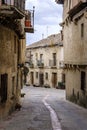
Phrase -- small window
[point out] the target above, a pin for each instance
(46, 76)
(83, 80)
(61, 35)
(13, 84)
(82, 30)
(36, 74)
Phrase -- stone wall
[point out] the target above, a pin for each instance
(75, 55)
(9, 65)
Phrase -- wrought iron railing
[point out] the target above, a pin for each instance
(40, 63)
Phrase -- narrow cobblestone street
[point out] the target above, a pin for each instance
(46, 109)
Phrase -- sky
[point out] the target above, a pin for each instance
(47, 17)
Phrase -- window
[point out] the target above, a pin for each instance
(31, 57)
(63, 78)
(54, 59)
(82, 30)
(36, 56)
(41, 57)
(61, 35)
(19, 50)
(15, 44)
(3, 1)
(66, 3)
(83, 80)
(36, 74)
(13, 84)
(3, 87)
(46, 76)
(69, 4)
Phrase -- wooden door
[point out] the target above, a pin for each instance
(32, 78)
(54, 80)
(41, 79)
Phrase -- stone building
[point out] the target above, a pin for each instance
(14, 22)
(75, 49)
(44, 59)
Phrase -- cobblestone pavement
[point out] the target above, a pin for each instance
(46, 109)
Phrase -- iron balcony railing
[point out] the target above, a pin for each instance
(31, 64)
(40, 63)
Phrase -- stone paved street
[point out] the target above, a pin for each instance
(37, 107)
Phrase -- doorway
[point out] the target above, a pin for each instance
(32, 78)
(54, 80)
(41, 79)
(3, 87)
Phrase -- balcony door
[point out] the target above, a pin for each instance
(54, 59)
(41, 58)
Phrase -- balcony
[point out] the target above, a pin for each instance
(29, 21)
(40, 63)
(11, 16)
(72, 65)
(77, 8)
(29, 63)
(53, 63)
(13, 9)
(59, 1)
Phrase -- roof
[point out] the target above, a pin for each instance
(52, 40)
(76, 9)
